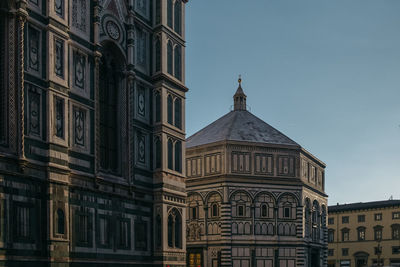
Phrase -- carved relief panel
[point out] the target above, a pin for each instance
(58, 63)
(79, 128)
(34, 48)
(80, 17)
(79, 72)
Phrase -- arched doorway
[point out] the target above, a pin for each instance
(361, 259)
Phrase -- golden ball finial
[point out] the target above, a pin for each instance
(240, 79)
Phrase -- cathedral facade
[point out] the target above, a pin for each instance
(92, 101)
(255, 197)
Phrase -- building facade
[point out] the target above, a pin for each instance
(364, 234)
(255, 197)
(92, 132)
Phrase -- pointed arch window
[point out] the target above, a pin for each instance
(158, 231)
(169, 58)
(178, 231)
(264, 210)
(170, 154)
(178, 62)
(158, 11)
(60, 222)
(175, 229)
(170, 230)
(178, 156)
(214, 210)
(170, 109)
(158, 153)
(158, 55)
(169, 13)
(3, 95)
(109, 82)
(178, 17)
(158, 106)
(178, 113)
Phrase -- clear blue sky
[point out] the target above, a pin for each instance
(325, 73)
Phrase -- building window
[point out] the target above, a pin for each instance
(240, 210)
(378, 216)
(330, 252)
(345, 234)
(361, 218)
(396, 231)
(193, 213)
(104, 235)
(140, 235)
(175, 229)
(178, 156)
(286, 212)
(395, 215)
(178, 62)
(169, 13)
(123, 234)
(158, 55)
(378, 250)
(396, 250)
(345, 219)
(178, 17)
(361, 233)
(378, 232)
(83, 229)
(170, 154)
(214, 210)
(331, 235)
(108, 94)
(170, 109)
(158, 11)
(158, 231)
(178, 113)
(345, 251)
(158, 106)
(169, 58)
(60, 222)
(158, 153)
(264, 210)
(331, 220)
(23, 223)
(3, 95)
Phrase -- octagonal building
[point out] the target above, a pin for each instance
(256, 198)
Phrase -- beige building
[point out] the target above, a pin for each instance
(360, 234)
(255, 197)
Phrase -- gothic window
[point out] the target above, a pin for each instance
(345, 234)
(178, 62)
(361, 233)
(34, 111)
(109, 89)
(34, 56)
(307, 217)
(59, 117)
(123, 233)
(158, 106)
(214, 210)
(169, 13)
(170, 154)
(104, 235)
(396, 231)
(169, 57)
(158, 11)
(178, 113)
(240, 210)
(170, 109)
(59, 7)
(178, 17)
(193, 213)
(170, 230)
(158, 231)
(3, 95)
(331, 235)
(59, 57)
(79, 118)
(178, 156)
(178, 230)
(79, 65)
(378, 232)
(23, 223)
(264, 210)
(158, 153)
(158, 55)
(60, 222)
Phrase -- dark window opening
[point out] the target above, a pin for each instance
(158, 55)
(169, 57)
(60, 222)
(170, 154)
(178, 113)
(158, 153)
(178, 156)
(178, 17)
(170, 110)
(169, 13)
(240, 210)
(264, 211)
(178, 62)
(214, 210)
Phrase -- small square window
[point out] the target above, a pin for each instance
(396, 250)
(345, 251)
(193, 212)
(286, 212)
(378, 250)
(330, 252)
(361, 218)
(331, 220)
(396, 215)
(345, 219)
(378, 216)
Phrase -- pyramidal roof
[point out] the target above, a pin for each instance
(239, 125)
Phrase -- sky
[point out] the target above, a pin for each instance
(325, 73)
